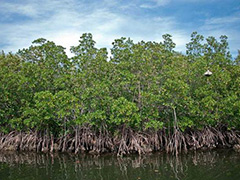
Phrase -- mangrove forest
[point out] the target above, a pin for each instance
(139, 98)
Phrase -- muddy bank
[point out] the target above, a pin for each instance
(127, 141)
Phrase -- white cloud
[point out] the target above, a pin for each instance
(216, 21)
(154, 4)
(147, 6)
(65, 22)
(26, 9)
(226, 25)
(162, 2)
(158, 3)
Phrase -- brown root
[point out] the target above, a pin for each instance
(128, 141)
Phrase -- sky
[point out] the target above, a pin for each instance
(64, 21)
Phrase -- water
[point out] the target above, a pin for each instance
(210, 165)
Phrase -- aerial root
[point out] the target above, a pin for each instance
(128, 141)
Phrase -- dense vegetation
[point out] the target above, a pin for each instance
(144, 88)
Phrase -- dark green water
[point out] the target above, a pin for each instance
(211, 165)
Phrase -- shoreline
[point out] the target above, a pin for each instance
(126, 142)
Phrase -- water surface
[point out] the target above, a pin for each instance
(210, 165)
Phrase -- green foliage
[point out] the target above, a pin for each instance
(41, 114)
(144, 85)
(124, 112)
(153, 124)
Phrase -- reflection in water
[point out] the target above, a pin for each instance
(196, 165)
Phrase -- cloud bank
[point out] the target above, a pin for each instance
(64, 21)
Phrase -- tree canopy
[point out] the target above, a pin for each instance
(144, 85)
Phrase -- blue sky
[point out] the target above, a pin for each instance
(63, 21)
